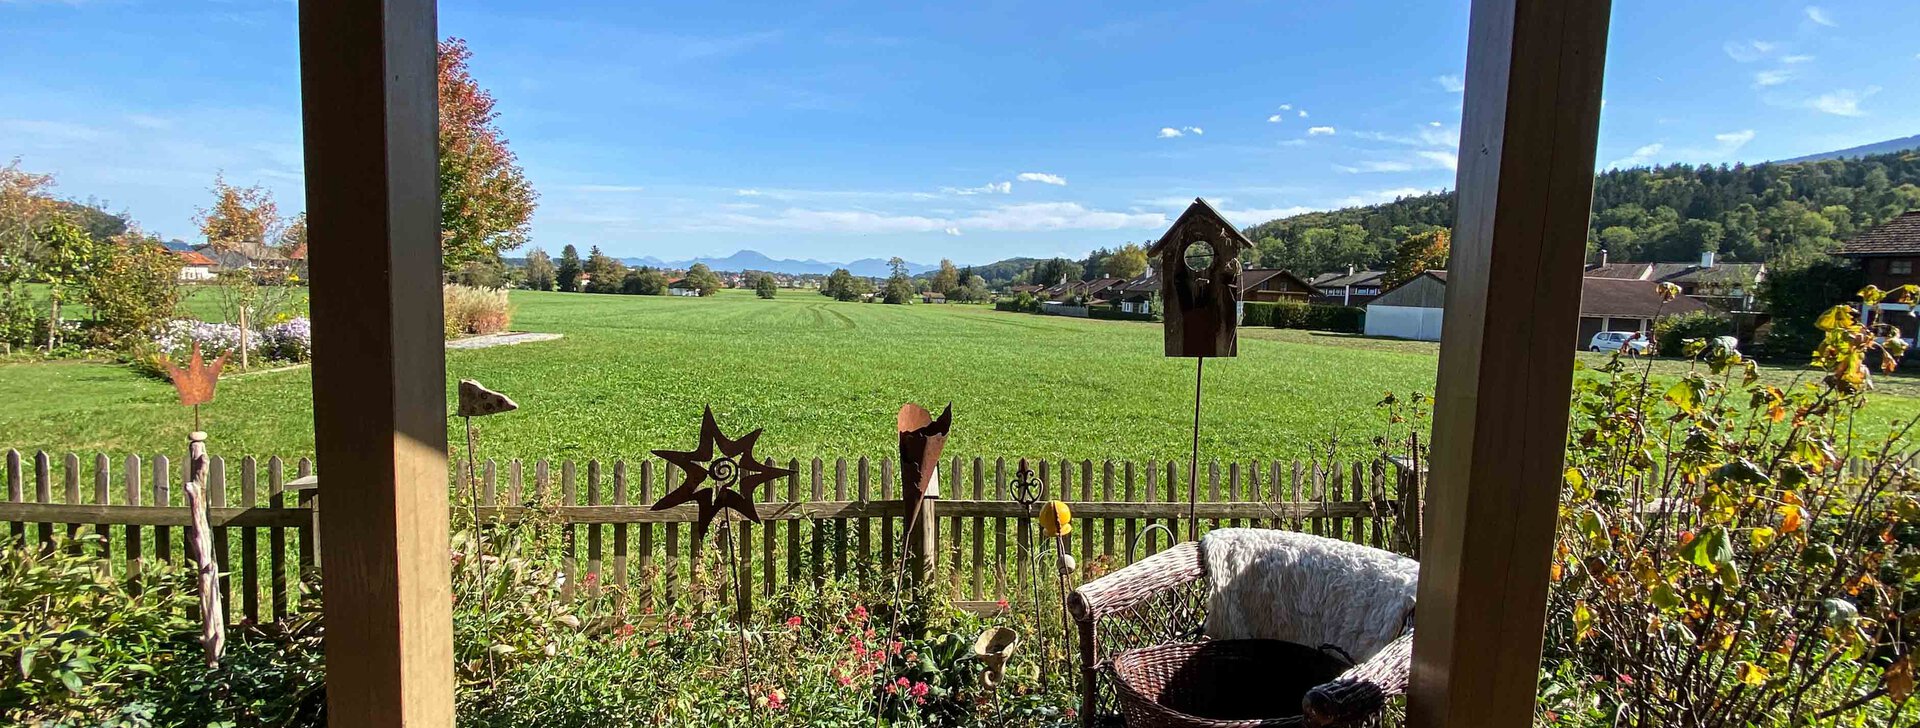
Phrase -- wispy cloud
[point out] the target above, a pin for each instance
(990, 188)
(1039, 216)
(1732, 141)
(1842, 102)
(1802, 58)
(1820, 15)
(747, 192)
(954, 231)
(1320, 131)
(1450, 160)
(1028, 217)
(1375, 166)
(1749, 51)
(1275, 119)
(1639, 158)
(1773, 77)
(1168, 132)
(1451, 82)
(1042, 178)
(1376, 197)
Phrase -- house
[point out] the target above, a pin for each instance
(1137, 295)
(1731, 287)
(1027, 288)
(1889, 253)
(1268, 285)
(195, 267)
(1102, 290)
(933, 297)
(1413, 310)
(1352, 288)
(682, 287)
(246, 256)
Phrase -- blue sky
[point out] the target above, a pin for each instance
(969, 131)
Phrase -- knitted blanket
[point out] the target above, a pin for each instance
(1269, 584)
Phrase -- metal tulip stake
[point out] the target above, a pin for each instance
(721, 475)
(196, 383)
(1027, 489)
(922, 439)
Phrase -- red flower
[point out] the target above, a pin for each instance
(794, 622)
(593, 577)
(919, 689)
(859, 613)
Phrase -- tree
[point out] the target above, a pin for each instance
(899, 290)
(703, 279)
(897, 265)
(539, 270)
(1127, 263)
(1096, 263)
(240, 216)
(842, 285)
(568, 274)
(644, 281)
(1418, 254)
(975, 290)
(763, 286)
(947, 280)
(1055, 270)
(293, 240)
(68, 257)
(604, 274)
(26, 207)
(486, 202)
(134, 288)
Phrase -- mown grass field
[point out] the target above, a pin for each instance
(823, 378)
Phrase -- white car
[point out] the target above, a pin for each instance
(1632, 341)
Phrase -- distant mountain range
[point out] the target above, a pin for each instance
(746, 260)
(1887, 147)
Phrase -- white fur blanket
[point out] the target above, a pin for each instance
(1268, 584)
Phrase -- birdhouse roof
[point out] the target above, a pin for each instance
(1200, 209)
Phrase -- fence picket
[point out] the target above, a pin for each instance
(594, 542)
(250, 543)
(570, 575)
(620, 529)
(277, 539)
(43, 493)
(70, 467)
(840, 540)
(976, 590)
(647, 576)
(1000, 587)
(215, 490)
(792, 528)
(15, 494)
(162, 535)
(103, 495)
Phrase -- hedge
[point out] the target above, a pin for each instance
(1256, 313)
(1669, 331)
(1106, 312)
(1298, 315)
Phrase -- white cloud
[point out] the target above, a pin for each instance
(1042, 178)
(1819, 15)
(1293, 143)
(1275, 119)
(747, 193)
(1286, 107)
(1378, 196)
(990, 188)
(1450, 160)
(1196, 130)
(1732, 141)
(1303, 113)
(1168, 132)
(1320, 131)
(1375, 166)
(1748, 51)
(1774, 77)
(1059, 216)
(1843, 102)
(1639, 157)
(1451, 82)
(954, 231)
(1259, 215)
(1796, 59)
(1433, 124)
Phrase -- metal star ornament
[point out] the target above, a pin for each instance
(721, 473)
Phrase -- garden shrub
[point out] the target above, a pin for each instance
(1256, 313)
(18, 318)
(1289, 315)
(473, 311)
(1729, 552)
(1670, 331)
(290, 341)
(1345, 319)
(132, 292)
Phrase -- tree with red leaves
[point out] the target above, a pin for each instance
(485, 200)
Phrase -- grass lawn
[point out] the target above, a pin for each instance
(824, 378)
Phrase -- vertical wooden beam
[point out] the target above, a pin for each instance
(1513, 294)
(369, 106)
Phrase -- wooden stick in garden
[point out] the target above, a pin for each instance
(213, 620)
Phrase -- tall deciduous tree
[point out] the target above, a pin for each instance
(1055, 270)
(605, 275)
(703, 279)
(67, 257)
(947, 280)
(539, 270)
(485, 199)
(240, 215)
(568, 274)
(1128, 262)
(764, 287)
(1418, 254)
(26, 206)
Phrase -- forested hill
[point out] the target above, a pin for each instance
(1783, 213)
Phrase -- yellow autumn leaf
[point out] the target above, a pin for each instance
(1761, 538)
(1582, 621)
(1056, 519)
(1750, 673)
(1790, 519)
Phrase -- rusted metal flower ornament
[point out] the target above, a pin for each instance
(197, 380)
(922, 438)
(721, 473)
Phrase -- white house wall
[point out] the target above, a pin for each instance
(1404, 322)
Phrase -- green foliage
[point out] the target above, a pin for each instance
(1719, 560)
(644, 281)
(703, 279)
(1796, 296)
(567, 275)
(486, 202)
(1054, 270)
(1344, 319)
(18, 319)
(1418, 254)
(1127, 263)
(604, 274)
(1256, 313)
(764, 287)
(1670, 331)
(539, 270)
(1115, 314)
(133, 291)
(1022, 302)
(1288, 314)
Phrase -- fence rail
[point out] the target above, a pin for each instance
(840, 520)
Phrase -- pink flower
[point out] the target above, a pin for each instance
(919, 689)
(776, 699)
(846, 681)
(593, 577)
(859, 613)
(794, 622)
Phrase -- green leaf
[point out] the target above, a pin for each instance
(1743, 471)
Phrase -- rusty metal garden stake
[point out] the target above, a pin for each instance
(196, 383)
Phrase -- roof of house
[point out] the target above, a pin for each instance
(1899, 236)
(193, 257)
(1101, 285)
(1678, 272)
(1631, 299)
(1252, 278)
(1337, 279)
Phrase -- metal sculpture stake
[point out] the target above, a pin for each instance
(721, 475)
(922, 439)
(478, 401)
(196, 383)
(1027, 490)
(1056, 522)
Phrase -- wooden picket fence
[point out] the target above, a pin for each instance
(839, 521)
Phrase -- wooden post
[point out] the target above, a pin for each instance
(369, 110)
(1525, 184)
(213, 619)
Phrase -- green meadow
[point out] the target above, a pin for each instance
(823, 378)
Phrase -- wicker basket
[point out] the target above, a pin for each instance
(1220, 684)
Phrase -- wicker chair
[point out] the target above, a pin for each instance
(1364, 599)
